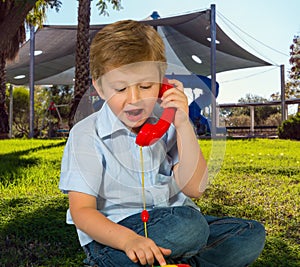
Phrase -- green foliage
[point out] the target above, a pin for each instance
(20, 110)
(55, 118)
(44, 119)
(37, 15)
(259, 179)
(273, 120)
(238, 120)
(102, 6)
(20, 100)
(62, 96)
(240, 116)
(261, 112)
(290, 129)
(292, 87)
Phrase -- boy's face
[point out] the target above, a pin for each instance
(131, 92)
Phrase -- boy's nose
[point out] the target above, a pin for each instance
(133, 94)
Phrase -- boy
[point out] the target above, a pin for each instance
(101, 167)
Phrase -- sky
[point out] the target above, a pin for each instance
(264, 28)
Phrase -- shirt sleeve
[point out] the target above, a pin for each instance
(172, 150)
(81, 168)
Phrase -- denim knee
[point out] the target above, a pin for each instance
(195, 229)
(258, 237)
(233, 242)
(184, 230)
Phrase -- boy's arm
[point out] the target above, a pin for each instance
(191, 171)
(87, 218)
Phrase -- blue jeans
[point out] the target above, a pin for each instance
(194, 239)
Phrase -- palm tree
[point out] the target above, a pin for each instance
(82, 79)
(12, 34)
(13, 16)
(82, 82)
(8, 51)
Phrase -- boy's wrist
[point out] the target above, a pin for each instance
(125, 238)
(184, 126)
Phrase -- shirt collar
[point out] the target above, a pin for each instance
(108, 123)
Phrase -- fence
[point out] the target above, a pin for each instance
(253, 130)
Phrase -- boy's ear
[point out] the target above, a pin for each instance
(98, 89)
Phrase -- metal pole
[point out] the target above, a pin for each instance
(11, 106)
(31, 82)
(283, 106)
(252, 120)
(217, 116)
(213, 67)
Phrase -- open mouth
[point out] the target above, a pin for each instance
(134, 114)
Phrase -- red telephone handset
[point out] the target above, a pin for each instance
(150, 133)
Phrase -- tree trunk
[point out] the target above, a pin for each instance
(82, 81)
(4, 125)
(10, 22)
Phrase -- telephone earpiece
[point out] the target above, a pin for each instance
(150, 133)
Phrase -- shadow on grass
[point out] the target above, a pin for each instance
(277, 252)
(38, 236)
(11, 164)
(280, 171)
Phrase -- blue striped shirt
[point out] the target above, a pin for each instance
(102, 159)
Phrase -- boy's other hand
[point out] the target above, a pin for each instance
(176, 98)
(144, 250)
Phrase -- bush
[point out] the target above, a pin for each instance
(290, 129)
(238, 120)
(273, 120)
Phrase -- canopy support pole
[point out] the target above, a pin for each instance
(213, 68)
(31, 82)
(11, 105)
(252, 120)
(283, 106)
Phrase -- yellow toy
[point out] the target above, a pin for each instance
(177, 265)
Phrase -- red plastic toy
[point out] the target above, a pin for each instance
(150, 133)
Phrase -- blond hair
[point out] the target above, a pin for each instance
(125, 42)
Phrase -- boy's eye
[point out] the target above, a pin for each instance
(145, 86)
(141, 86)
(120, 90)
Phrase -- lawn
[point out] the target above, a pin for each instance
(255, 178)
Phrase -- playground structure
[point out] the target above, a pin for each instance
(199, 91)
(59, 129)
(189, 44)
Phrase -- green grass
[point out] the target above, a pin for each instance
(256, 178)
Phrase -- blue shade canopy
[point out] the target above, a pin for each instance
(187, 45)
